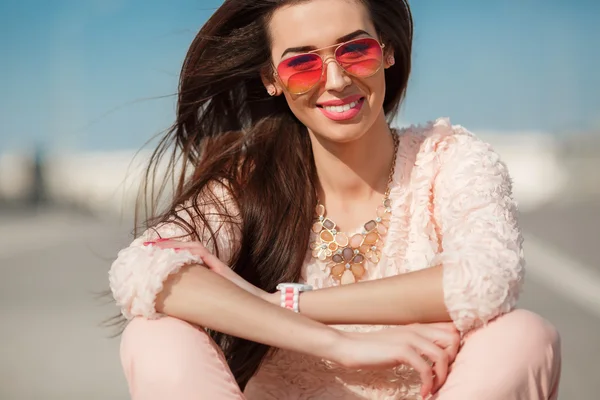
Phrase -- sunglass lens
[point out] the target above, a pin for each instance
(361, 57)
(300, 73)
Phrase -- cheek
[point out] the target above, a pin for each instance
(376, 85)
(296, 104)
(300, 107)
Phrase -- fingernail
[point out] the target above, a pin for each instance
(148, 243)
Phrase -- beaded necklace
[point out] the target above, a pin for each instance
(346, 255)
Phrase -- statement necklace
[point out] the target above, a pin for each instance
(347, 255)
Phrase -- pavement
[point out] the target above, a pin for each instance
(53, 265)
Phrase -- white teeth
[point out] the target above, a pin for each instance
(341, 109)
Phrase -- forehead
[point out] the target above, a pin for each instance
(317, 23)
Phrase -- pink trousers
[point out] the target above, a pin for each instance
(516, 356)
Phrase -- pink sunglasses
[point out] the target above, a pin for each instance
(359, 57)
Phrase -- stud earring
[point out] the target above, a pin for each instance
(391, 60)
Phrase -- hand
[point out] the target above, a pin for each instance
(216, 265)
(443, 334)
(391, 347)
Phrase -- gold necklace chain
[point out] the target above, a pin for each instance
(347, 256)
(393, 169)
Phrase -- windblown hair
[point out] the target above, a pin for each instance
(229, 131)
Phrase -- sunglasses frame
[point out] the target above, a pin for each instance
(336, 48)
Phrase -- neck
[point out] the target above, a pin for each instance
(354, 171)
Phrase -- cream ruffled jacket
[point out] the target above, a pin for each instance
(452, 205)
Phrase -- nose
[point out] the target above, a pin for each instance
(337, 78)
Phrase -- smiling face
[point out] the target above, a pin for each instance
(344, 103)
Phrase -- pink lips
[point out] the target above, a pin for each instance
(345, 115)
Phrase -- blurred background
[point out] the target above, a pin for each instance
(85, 84)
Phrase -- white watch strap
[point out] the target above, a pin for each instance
(289, 298)
(290, 294)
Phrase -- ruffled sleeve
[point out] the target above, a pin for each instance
(137, 275)
(482, 252)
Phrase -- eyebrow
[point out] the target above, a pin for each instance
(345, 38)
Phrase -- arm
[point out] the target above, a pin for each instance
(399, 300)
(482, 241)
(150, 281)
(371, 302)
(200, 296)
(194, 293)
(476, 277)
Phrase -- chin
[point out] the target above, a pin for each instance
(341, 132)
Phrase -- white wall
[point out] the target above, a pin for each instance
(538, 174)
(108, 181)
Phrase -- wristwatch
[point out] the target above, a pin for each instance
(290, 293)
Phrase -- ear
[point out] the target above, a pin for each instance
(388, 58)
(270, 82)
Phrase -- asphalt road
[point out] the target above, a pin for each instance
(54, 263)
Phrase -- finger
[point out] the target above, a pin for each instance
(437, 330)
(446, 326)
(413, 359)
(210, 261)
(437, 356)
(453, 348)
(443, 338)
(213, 262)
(168, 243)
(195, 248)
(450, 342)
(441, 371)
(216, 265)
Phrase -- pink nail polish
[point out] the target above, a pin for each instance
(148, 243)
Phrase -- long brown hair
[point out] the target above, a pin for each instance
(229, 130)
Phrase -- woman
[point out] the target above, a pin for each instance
(293, 175)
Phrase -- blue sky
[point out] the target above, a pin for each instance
(99, 74)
